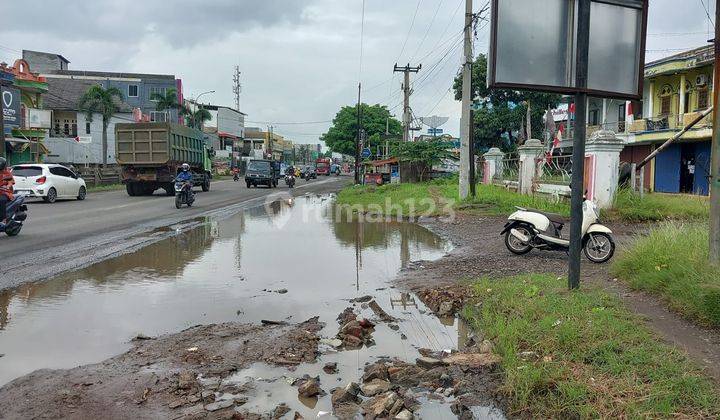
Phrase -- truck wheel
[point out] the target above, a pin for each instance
(248, 184)
(130, 188)
(206, 184)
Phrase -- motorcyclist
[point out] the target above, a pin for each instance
(6, 188)
(290, 171)
(184, 175)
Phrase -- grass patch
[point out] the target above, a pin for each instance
(439, 197)
(427, 198)
(108, 187)
(594, 358)
(653, 207)
(672, 262)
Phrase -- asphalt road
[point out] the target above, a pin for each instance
(72, 234)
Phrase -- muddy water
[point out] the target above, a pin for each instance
(234, 269)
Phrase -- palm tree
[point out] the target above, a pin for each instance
(195, 119)
(167, 102)
(102, 101)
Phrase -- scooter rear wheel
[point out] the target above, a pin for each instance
(515, 245)
(13, 230)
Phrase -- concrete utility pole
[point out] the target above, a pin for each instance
(407, 118)
(715, 161)
(465, 117)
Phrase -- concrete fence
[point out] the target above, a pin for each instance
(531, 171)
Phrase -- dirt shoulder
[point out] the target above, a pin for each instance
(171, 376)
(480, 252)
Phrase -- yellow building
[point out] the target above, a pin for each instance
(676, 89)
(275, 146)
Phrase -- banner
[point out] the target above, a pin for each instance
(10, 98)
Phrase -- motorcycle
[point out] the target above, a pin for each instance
(16, 213)
(290, 180)
(236, 175)
(528, 228)
(184, 194)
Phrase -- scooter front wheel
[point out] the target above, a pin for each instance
(178, 201)
(514, 244)
(599, 247)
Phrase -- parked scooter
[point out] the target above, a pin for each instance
(528, 228)
(184, 194)
(16, 213)
(290, 180)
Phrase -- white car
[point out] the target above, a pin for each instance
(49, 182)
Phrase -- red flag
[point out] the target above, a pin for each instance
(571, 108)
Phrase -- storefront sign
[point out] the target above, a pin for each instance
(10, 98)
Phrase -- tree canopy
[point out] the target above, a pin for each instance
(502, 111)
(424, 153)
(342, 134)
(105, 102)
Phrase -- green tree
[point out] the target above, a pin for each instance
(342, 135)
(424, 154)
(105, 102)
(196, 118)
(502, 111)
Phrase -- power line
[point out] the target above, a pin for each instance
(707, 13)
(289, 123)
(412, 23)
(427, 31)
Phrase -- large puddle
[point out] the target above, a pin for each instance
(232, 270)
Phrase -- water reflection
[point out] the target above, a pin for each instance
(218, 272)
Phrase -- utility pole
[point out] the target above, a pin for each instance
(237, 87)
(357, 141)
(407, 118)
(715, 160)
(465, 117)
(577, 184)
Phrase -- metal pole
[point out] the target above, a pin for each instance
(578, 155)
(465, 119)
(2, 124)
(473, 181)
(357, 141)
(715, 160)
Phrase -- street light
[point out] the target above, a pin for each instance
(195, 101)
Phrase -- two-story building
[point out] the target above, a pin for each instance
(676, 89)
(76, 139)
(25, 122)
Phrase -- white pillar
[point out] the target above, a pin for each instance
(683, 105)
(605, 146)
(651, 98)
(604, 114)
(493, 164)
(528, 153)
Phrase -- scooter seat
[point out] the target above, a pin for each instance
(553, 217)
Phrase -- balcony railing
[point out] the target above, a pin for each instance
(669, 122)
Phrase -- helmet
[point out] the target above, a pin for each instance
(3, 163)
(185, 167)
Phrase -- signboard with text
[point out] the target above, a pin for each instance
(11, 108)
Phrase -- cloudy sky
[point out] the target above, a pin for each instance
(300, 59)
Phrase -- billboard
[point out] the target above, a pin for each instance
(10, 98)
(533, 46)
(39, 118)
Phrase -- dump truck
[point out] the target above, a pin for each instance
(150, 155)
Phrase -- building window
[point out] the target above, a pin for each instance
(621, 112)
(593, 120)
(702, 98)
(154, 90)
(87, 128)
(665, 105)
(158, 116)
(133, 91)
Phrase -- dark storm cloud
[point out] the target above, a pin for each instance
(179, 22)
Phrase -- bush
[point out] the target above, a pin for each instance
(672, 262)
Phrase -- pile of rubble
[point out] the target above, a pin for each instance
(354, 333)
(447, 300)
(391, 388)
